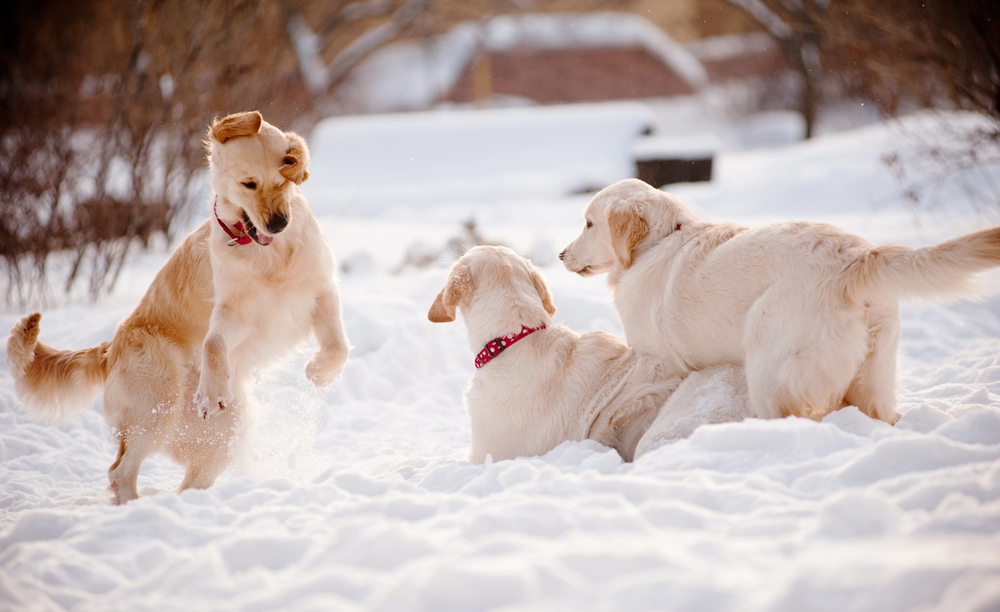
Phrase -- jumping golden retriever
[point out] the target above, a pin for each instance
(811, 310)
(245, 287)
(538, 384)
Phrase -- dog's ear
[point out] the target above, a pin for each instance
(235, 126)
(458, 286)
(628, 227)
(296, 160)
(542, 289)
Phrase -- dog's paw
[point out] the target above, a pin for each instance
(208, 408)
(321, 371)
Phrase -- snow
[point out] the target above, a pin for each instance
(359, 497)
(730, 46)
(374, 161)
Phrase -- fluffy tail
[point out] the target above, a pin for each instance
(53, 385)
(942, 270)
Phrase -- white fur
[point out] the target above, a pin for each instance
(714, 395)
(811, 310)
(553, 385)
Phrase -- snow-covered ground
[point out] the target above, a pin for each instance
(359, 497)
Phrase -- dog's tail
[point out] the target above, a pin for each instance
(53, 385)
(943, 270)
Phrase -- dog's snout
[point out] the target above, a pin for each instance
(277, 223)
(562, 256)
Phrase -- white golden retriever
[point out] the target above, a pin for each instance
(811, 310)
(246, 286)
(538, 384)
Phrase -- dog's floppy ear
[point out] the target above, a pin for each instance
(542, 289)
(628, 227)
(296, 160)
(234, 126)
(458, 286)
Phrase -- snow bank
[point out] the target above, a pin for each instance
(365, 164)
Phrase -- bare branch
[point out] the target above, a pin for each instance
(765, 17)
(373, 39)
(354, 12)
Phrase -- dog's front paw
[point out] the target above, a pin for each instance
(208, 407)
(321, 370)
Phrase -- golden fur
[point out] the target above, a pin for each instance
(213, 315)
(811, 310)
(553, 385)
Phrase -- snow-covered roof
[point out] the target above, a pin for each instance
(730, 46)
(413, 75)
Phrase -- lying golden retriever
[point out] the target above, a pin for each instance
(246, 286)
(538, 384)
(811, 310)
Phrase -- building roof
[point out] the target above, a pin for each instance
(414, 74)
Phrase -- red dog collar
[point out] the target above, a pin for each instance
(244, 239)
(498, 345)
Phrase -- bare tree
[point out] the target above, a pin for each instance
(797, 26)
(895, 52)
(925, 52)
(322, 77)
(103, 107)
(937, 54)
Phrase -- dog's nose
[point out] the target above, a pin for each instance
(562, 256)
(277, 223)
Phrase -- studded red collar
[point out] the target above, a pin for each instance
(498, 345)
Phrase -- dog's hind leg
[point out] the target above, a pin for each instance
(124, 472)
(873, 389)
(140, 402)
(800, 356)
(136, 442)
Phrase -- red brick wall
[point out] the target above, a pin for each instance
(755, 63)
(550, 76)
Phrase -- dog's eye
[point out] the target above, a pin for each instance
(590, 224)
(250, 185)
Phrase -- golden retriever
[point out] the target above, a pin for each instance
(538, 384)
(246, 286)
(811, 310)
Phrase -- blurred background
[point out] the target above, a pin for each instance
(104, 104)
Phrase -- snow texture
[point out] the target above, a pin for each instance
(359, 497)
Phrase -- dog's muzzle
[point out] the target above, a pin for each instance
(252, 231)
